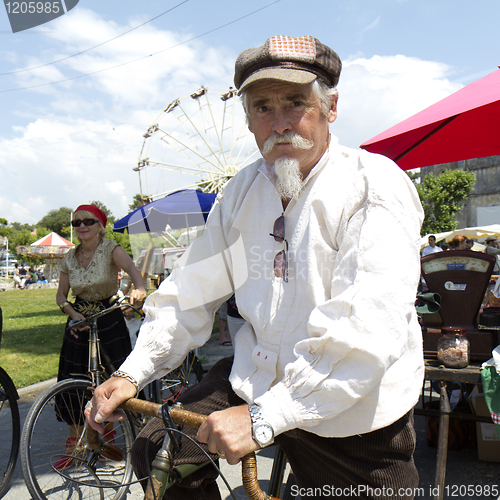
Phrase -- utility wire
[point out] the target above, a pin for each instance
(95, 46)
(143, 57)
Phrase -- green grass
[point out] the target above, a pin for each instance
(33, 329)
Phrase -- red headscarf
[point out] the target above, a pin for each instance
(95, 210)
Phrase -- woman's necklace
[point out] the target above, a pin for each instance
(84, 255)
(87, 256)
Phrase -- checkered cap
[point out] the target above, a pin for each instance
(295, 60)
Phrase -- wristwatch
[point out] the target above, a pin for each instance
(262, 432)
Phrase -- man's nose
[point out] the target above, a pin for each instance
(281, 123)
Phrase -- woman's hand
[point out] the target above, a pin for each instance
(76, 316)
(137, 297)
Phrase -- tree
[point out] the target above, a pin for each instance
(442, 196)
(4, 230)
(138, 201)
(121, 238)
(57, 221)
(25, 238)
(105, 209)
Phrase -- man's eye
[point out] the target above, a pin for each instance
(296, 104)
(262, 109)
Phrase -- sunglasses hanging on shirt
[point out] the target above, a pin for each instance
(281, 259)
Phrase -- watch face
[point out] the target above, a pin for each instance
(263, 434)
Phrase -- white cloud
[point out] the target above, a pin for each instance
(379, 92)
(82, 139)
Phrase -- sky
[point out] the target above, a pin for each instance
(78, 94)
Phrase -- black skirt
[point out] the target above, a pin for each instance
(74, 359)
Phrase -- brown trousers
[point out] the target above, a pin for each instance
(378, 464)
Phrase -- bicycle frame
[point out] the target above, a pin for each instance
(95, 366)
(106, 449)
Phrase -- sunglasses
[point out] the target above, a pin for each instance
(85, 222)
(280, 260)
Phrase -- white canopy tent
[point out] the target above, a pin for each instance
(476, 233)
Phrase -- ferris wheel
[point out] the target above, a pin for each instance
(199, 141)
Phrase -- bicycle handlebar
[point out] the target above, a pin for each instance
(185, 417)
(116, 303)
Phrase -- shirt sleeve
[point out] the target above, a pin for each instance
(180, 314)
(368, 326)
(492, 250)
(63, 266)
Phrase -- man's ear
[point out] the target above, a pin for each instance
(332, 113)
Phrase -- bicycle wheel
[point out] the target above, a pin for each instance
(174, 383)
(43, 442)
(10, 430)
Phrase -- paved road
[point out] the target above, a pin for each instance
(463, 467)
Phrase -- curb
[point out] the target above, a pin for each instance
(38, 387)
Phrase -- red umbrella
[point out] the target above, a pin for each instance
(464, 125)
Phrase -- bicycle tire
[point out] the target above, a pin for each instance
(43, 442)
(10, 430)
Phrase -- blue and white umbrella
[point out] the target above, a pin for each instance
(181, 209)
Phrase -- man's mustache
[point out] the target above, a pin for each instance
(296, 140)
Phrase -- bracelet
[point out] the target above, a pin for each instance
(62, 305)
(128, 377)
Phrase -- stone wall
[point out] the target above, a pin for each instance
(486, 191)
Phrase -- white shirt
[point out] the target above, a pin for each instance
(337, 350)
(428, 250)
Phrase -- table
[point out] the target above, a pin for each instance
(434, 370)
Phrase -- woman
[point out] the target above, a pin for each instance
(17, 278)
(31, 279)
(459, 242)
(90, 270)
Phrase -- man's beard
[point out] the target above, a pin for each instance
(287, 170)
(288, 178)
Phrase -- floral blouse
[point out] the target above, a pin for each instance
(99, 280)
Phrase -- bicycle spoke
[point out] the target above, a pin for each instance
(177, 381)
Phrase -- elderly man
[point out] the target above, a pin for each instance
(329, 362)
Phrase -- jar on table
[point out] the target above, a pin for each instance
(453, 347)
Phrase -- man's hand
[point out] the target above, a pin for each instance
(107, 397)
(229, 433)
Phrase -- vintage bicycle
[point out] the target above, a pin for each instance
(10, 426)
(86, 472)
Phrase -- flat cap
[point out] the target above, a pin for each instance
(283, 58)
